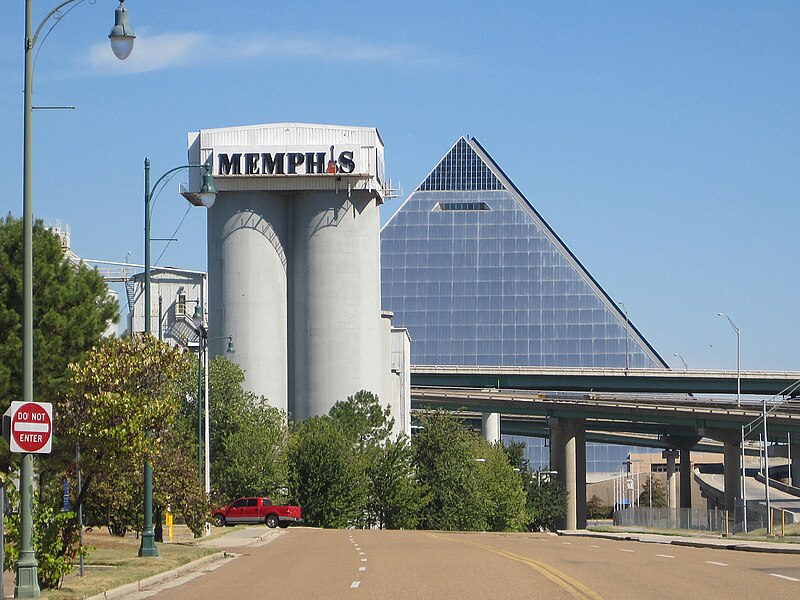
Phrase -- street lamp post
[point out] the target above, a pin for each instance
(627, 334)
(207, 196)
(121, 37)
(766, 467)
(685, 366)
(738, 359)
(202, 329)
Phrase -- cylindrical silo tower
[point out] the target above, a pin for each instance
(293, 258)
(335, 314)
(247, 233)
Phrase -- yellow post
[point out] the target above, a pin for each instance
(169, 522)
(783, 523)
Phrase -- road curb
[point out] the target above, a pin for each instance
(158, 578)
(740, 546)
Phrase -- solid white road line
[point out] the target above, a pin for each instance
(354, 585)
(719, 564)
(786, 577)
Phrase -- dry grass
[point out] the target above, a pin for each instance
(114, 562)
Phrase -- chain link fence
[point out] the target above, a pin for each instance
(753, 520)
(671, 518)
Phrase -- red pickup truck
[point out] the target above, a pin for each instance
(257, 510)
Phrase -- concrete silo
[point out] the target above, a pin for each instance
(293, 258)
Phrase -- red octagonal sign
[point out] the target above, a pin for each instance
(31, 427)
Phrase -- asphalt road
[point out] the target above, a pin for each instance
(308, 564)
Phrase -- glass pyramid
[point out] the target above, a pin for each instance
(479, 278)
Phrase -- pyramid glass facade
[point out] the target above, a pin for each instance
(479, 278)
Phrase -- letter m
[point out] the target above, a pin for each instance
(230, 166)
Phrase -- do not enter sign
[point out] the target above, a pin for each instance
(31, 427)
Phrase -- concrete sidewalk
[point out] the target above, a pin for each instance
(256, 535)
(690, 541)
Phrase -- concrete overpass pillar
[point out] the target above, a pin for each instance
(794, 455)
(672, 482)
(580, 470)
(491, 427)
(733, 473)
(570, 474)
(568, 459)
(686, 478)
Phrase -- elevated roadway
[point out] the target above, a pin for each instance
(654, 414)
(590, 379)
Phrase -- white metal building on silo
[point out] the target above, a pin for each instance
(294, 260)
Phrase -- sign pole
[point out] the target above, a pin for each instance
(27, 583)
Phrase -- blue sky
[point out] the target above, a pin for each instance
(660, 140)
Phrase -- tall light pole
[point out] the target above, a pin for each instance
(207, 196)
(627, 334)
(200, 324)
(766, 466)
(121, 36)
(738, 359)
(685, 366)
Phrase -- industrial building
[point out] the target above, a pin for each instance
(294, 266)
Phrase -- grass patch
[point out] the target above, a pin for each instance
(114, 562)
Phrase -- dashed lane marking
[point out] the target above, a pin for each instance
(719, 564)
(567, 543)
(665, 555)
(786, 577)
(362, 568)
(593, 546)
(354, 585)
(626, 550)
(363, 560)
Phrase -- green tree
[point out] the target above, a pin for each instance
(546, 503)
(597, 509)
(71, 310)
(395, 496)
(120, 390)
(502, 490)
(254, 460)
(326, 474)
(248, 438)
(54, 541)
(653, 494)
(362, 417)
(444, 454)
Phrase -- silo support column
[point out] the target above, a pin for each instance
(491, 427)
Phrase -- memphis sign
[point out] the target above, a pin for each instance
(269, 162)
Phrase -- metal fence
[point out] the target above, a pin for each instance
(754, 520)
(671, 518)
